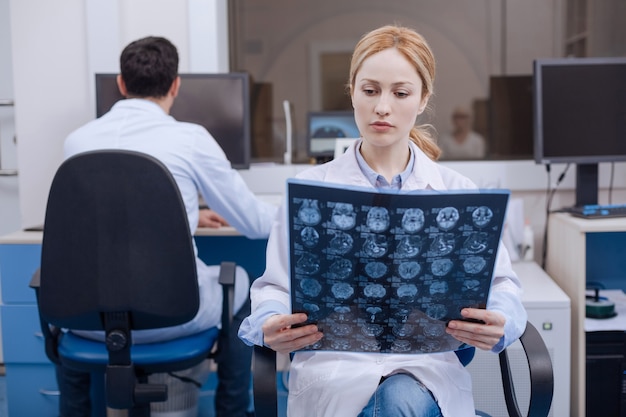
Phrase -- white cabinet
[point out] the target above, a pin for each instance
(581, 250)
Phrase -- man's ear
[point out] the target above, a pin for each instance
(121, 85)
(175, 87)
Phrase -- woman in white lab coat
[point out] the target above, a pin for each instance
(391, 80)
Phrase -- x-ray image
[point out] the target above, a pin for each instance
(413, 220)
(309, 236)
(343, 216)
(385, 272)
(309, 212)
(378, 219)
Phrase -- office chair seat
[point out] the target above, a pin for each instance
(85, 354)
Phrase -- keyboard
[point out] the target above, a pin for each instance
(598, 211)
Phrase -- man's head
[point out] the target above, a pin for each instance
(148, 67)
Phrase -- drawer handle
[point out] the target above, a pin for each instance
(50, 392)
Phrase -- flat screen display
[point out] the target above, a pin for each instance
(579, 110)
(325, 127)
(219, 102)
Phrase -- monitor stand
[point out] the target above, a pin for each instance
(586, 184)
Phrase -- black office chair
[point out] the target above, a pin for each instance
(539, 365)
(117, 256)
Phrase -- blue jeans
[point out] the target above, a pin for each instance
(233, 371)
(401, 395)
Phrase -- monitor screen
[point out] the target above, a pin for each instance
(580, 116)
(580, 110)
(219, 102)
(324, 127)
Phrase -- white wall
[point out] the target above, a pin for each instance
(9, 197)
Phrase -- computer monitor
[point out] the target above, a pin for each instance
(580, 116)
(219, 102)
(324, 127)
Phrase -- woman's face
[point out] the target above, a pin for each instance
(387, 98)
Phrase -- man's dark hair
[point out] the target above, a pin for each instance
(149, 66)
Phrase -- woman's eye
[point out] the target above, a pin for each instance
(401, 94)
(369, 91)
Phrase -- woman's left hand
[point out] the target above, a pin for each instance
(484, 332)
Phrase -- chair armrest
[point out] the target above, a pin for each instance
(35, 280)
(541, 375)
(264, 382)
(227, 280)
(50, 333)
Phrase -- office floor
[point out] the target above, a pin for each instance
(205, 400)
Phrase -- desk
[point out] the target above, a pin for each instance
(30, 378)
(581, 250)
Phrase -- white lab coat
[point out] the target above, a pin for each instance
(339, 384)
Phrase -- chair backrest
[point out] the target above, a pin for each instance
(116, 240)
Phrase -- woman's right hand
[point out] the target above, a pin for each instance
(279, 334)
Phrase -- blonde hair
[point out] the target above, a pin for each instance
(416, 50)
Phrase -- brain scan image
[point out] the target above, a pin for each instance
(309, 212)
(372, 329)
(341, 243)
(436, 311)
(341, 344)
(307, 264)
(407, 292)
(401, 346)
(438, 288)
(340, 269)
(374, 291)
(412, 220)
(403, 330)
(447, 218)
(312, 310)
(315, 346)
(371, 346)
(375, 269)
(378, 219)
(474, 264)
(310, 287)
(442, 244)
(375, 246)
(470, 285)
(341, 329)
(430, 346)
(408, 270)
(402, 314)
(409, 246)
(309, 237)
(476, 242)
(374, 313)
(342, 291)
(482, 216)
(342, 313)
(343, 216)
(441, 267)
(434, 329)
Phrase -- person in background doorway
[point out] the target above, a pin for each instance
(149, 80)
(462, 142)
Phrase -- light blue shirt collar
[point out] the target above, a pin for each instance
(377, 180)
